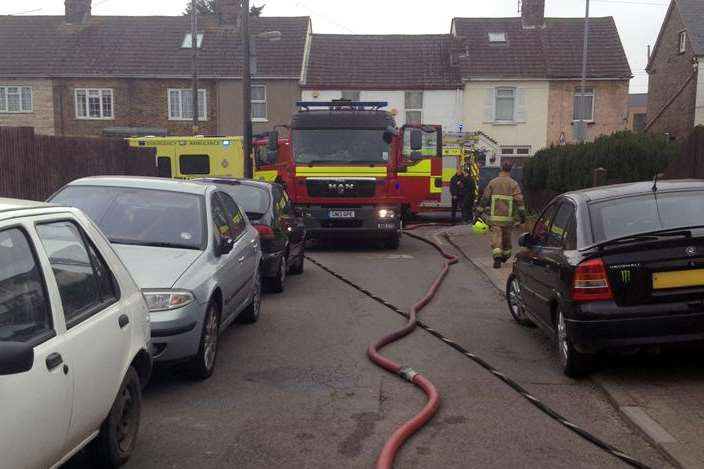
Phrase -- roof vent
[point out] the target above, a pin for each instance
(497, 38)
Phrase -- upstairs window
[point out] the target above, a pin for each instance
(188, 41)
(505, 104)
(94, 103)
(15, 99)
(259, 103)
(683, 42)
(584, 104)
(497, 38)
(413, 101)
(181, 104)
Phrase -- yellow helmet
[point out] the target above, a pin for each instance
(480, 227)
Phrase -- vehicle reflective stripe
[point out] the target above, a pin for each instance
(447, 174)
(451, 152)
(422, 168)
(340, 171)
(268, 175)
(434, 189)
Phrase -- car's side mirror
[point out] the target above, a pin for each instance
(416, 139)
(15, 358)
(525, 240)
(226, 245)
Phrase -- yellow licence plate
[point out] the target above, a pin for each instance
(679, 279)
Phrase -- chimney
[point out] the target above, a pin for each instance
(228, 12)
(533, 13)
(77, 11)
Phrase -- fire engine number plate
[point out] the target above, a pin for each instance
(341, 214)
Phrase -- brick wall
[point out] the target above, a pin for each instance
(42, 116)
(610, 109)
(136, 103)
(668, 72)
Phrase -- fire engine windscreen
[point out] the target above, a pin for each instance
(340, 146)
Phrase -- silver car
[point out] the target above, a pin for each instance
(190, 249)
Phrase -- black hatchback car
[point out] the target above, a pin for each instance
(281, 231)
(614, 267)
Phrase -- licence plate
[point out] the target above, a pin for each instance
(341, 214)
(678, 279)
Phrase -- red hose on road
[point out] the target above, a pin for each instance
(392, 445)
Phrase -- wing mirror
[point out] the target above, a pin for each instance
(226, 245)
(15, 358)
(416, 140)
(525, 240)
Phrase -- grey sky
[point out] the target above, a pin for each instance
(638, 20)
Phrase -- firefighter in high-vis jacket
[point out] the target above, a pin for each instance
(503, 200)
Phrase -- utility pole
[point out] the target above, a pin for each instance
(194, 50)
(581, 129)
(246, 91)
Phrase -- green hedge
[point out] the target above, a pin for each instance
(626, 156)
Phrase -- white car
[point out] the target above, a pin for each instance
(74, 341)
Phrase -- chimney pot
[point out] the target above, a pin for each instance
(228, 12)
(77, 11)
(533, 13)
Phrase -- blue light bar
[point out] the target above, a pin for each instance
(342, 103)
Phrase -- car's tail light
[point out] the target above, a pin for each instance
(264, 231)
(591, 282)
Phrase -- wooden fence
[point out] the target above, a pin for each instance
(690, 163)
(35, 166)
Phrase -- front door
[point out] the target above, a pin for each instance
(35, 407)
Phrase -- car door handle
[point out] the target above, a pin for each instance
(54, 360)
(241, 259)
(123, 320)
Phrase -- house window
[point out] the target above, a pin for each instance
(497, 38)
(683, 42)
(515, 151)
(583, 104)
(505, 104)
(94, 103)
(352, 95)
(15, 99)
(181, 104)
(259, 103)
(188, 41)
(414, 107)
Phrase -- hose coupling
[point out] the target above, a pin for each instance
(407, 373)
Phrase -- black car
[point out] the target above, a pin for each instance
(614, 267)
(281, 230)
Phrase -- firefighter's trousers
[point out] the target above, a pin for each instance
(501, 241)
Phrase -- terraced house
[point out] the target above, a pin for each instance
(113, 75)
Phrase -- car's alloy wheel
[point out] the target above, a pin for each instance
(251, 312)
(574, 364)
(516, 304)
(203, 363)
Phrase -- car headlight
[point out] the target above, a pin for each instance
(164, 300)
(386, 213)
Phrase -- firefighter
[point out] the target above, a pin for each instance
(503, 199)
(468, 195)
(457, 192)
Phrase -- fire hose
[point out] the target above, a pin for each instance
(401, 435)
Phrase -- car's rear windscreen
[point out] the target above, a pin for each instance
(626, 216)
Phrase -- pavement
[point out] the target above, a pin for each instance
(660, 393)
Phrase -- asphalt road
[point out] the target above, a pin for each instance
(296, 389)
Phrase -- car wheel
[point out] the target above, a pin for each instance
(277, 284)
(203, 363)
(297, 268)
(574, 364)
(251, 312)
(118, 434)
(393, 243)
(516, 304)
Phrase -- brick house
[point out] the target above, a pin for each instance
(521, 78)
(91, 75)
(413, 73)
(676, 79)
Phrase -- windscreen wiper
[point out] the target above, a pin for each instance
(685, 231)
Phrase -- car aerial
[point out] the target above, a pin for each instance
(191, 250)
(614, 267)
(281, 230)
(74, 340)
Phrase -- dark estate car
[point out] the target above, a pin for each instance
(281, 230)
(614, 267)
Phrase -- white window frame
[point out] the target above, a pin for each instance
(514, 151)
(4, 104)
(497, 38)
(496, 100)
(260, 101)
(578, 92)
(188, 41)
(101, 93)
(682, 42)
(406, 109)
(202, 95)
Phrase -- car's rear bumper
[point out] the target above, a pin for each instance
(176, 333)
(590, 336)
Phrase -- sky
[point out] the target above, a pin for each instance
(638, 21)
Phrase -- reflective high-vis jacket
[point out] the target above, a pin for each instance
(504, 199)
